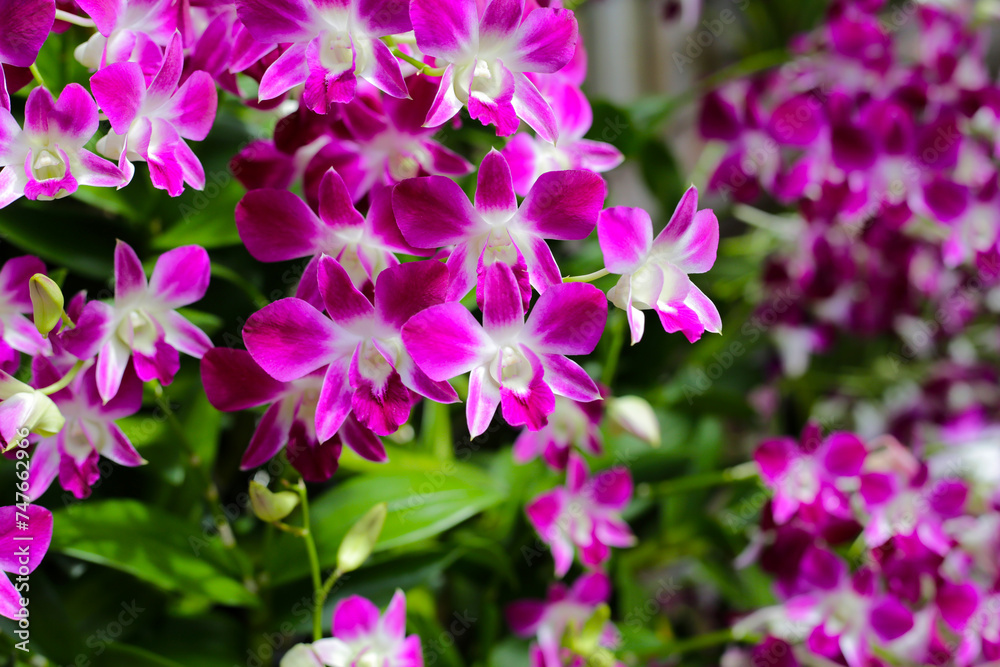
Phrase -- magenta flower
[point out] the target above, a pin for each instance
(654, 272)
(234, 381)
(34, 539)
(488, 47)
(530, 157)
(800, 472)
(433, 212)
(47, 159)
(516, 364)
(332, 44)
(275, 225)
(26, 25)
(362, 637)
(370, 372)
(127, 30)
(382, 141)
(549, 619)
(572, 424)
(151, 122)
(89, 432)
(17, 332)
(584, 515)
(143, 323)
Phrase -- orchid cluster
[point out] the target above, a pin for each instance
(411, 290)
(879, 556)
(880, 134)
(88, 367)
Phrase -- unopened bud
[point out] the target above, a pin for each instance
(361, 538)
(589, 639)
(24, 408)
(301, 655)
(46, 302)
(635, 415)
(270, 506)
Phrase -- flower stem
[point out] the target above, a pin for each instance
(588, 278)
(615, 347)
(74, 19)
(64, 381)
(314, 568)
(706, 480)
(423, 67)
(38, 75)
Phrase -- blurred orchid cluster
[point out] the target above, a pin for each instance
(880, 133)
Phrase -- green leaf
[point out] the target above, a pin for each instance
(54, 232)
(157, 547)
(206, 219)
(421, 505)
(123, 655)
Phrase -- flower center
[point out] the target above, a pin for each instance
(48, 166)
(337, 52)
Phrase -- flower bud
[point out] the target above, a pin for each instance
(46, 302)
(588, 639)
(361, 538)
(270, 506)
(301, 655)
(23, 410)
(635, 415)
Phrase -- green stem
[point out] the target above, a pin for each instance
(74, 19)
(423, 67)
(314, 566)
(706, 480)
(327, 587)
(38, 75)
(436, 430)
(699, 642)
(617, 327)
(64, 381)
(588, 278)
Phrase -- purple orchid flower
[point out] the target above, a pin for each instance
(363, 637)
(143, 323)
(150, 123)
(370, 372)
(488, 48)
(802, 471)
(571, 424)
(382, 141)
(549, 619)
(275, 225)
(26, 25)
(34, 538)
(516, 364)
(47, 159)
(332, 44)
(585, 514)
(128, 30)
(17, 332)
(90, 431)
(234, 381)
(433, 212)
(654, 272)
(530, 157)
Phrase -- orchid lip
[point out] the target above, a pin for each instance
(48, 165)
